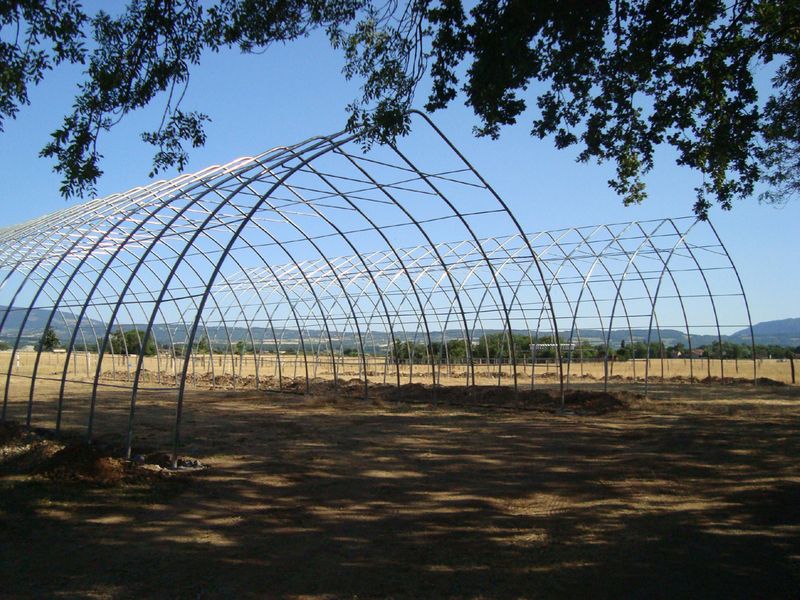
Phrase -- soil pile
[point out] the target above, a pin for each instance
(742, 381)
(547, 400)
(598, 403)
(85, 462)
(38, 453)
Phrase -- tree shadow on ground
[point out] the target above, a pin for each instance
(352, 499)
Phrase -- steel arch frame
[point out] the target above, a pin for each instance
(253, 249)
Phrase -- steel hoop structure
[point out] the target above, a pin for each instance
(320, 261)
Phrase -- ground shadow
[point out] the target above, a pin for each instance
(329, 499)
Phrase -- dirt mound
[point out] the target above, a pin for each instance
(597, 403)
(84, 462)
(768, 381)
(39, 453)
(11, 431)
(36, 452)
(220, 380)
(741, 381)
(578, 401)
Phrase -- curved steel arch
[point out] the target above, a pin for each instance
(323, 249)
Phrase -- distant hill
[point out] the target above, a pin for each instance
(63, 324)
(783, 332)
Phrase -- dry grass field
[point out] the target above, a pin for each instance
(226, 370)
(693, 491)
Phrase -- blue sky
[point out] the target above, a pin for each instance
(295, 91)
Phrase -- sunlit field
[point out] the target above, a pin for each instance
(269, 370)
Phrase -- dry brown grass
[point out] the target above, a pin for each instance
(224, 370)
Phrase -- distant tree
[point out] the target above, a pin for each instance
(744, 351)
(584, 351)
(779, 351)
(202, 345)
(117, 343)
(49, 341)
(496, 345)
(88, 347)
(545, 351)
(457, 349)
(130, 343)
(730, 350)
(5, 346)
(408, 351)
(677, 350)
(657, 350)
(601, 350)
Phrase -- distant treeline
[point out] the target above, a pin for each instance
(494, 346)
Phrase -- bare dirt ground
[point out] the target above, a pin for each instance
(693, 492)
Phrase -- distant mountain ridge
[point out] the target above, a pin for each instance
(782, 332)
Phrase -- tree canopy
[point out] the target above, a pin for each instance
(49, 341)
(130, 343)
(615, 79)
